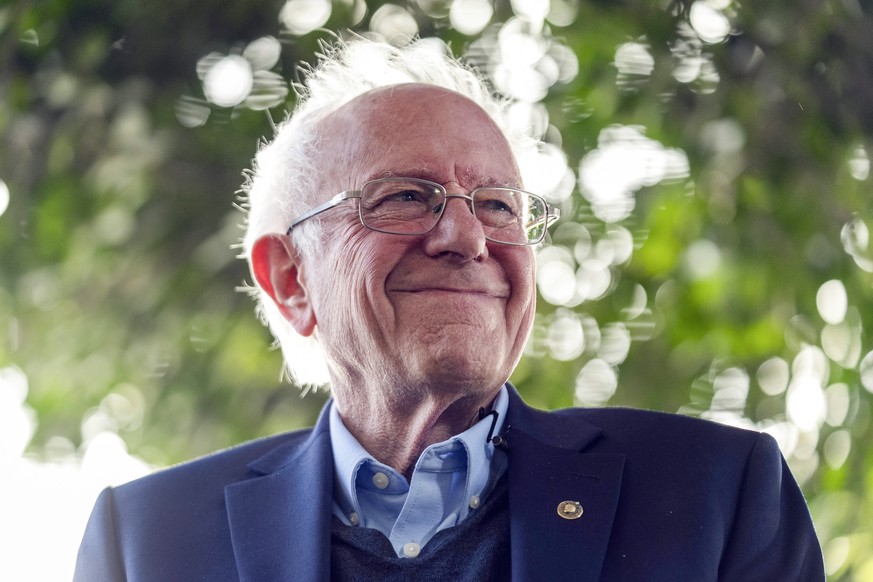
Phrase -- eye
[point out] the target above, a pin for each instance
(391, 194)
(497, 205)
(406, 196)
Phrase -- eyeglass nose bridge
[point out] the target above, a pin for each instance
(440, 208)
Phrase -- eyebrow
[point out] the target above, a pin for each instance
(467, 176)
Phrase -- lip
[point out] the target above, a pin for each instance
(453, 290)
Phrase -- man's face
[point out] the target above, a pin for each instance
(448, 310)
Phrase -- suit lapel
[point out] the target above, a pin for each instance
(280, 520)
(546, 468)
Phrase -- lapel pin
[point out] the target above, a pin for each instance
(570, 509)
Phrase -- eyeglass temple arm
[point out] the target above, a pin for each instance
(323, 207)
(552, 214)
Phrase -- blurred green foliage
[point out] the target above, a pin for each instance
(117, 273)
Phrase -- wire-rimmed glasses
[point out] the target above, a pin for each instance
(412, 206)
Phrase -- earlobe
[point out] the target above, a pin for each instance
(276, 267)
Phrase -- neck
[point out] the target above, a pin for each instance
(396, 432)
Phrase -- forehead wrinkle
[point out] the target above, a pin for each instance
(467, 176)
(474, 177)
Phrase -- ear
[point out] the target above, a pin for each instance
(277, 270)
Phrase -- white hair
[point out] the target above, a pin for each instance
(282, 183)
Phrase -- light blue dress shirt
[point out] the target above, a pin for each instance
(451, 479)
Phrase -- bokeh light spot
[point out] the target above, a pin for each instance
(624, 161)
(702, 259)
(29, 36)
(855, 237)
(805, 403)
(730, 391)
(269, 89)
(773, 376)
(565, 336)
(522, 82)
(394, 23)
(638, 303)
(4, 197)
(838, 404)
(616, 247)
(556, 282)
(842, 342)
(470, 17)
(615, 342)
(114, 225)
(263, 53)
(693, 63)
(563, 12)
(435, 9)
(533, 10)
(228, 82)
(832, 302)
(530, 118)
(543, 171)
(634, 63)
(567, 61)
(596, 383)
(303, 16)
(836, 448)
(593, 279)
(191, 112)
(812, 362)
(836, 552)
(859, 164)
(723, 136)
(866, 370)
(711, 25)
(521, 43)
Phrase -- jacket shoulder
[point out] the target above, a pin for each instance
(652, 434)
(216, 469)
(617, 420)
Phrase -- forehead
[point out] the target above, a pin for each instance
(414, 130)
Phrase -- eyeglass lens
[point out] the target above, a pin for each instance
(411, 206)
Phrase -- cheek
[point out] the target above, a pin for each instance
(354, 281)
(521, 271)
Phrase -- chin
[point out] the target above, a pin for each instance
(458, 373)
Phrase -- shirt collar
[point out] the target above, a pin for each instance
(349, 454)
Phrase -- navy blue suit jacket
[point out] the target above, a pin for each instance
(664, 497)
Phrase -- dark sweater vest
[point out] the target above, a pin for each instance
(475, 550)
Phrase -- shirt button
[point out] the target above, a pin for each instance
(411, 550)
(474, 502)
(380, 480)
(354, 519)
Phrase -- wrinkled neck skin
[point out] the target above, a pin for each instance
(396, 425)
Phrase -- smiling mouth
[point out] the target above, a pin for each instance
(456, 291)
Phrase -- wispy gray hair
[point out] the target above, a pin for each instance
(282, 183)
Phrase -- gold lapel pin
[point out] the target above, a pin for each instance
(570, 509)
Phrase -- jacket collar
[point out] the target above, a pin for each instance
(548, 466)
(280, 519)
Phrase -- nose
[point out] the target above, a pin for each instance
(458, 232)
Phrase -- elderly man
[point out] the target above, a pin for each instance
(388, 221)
